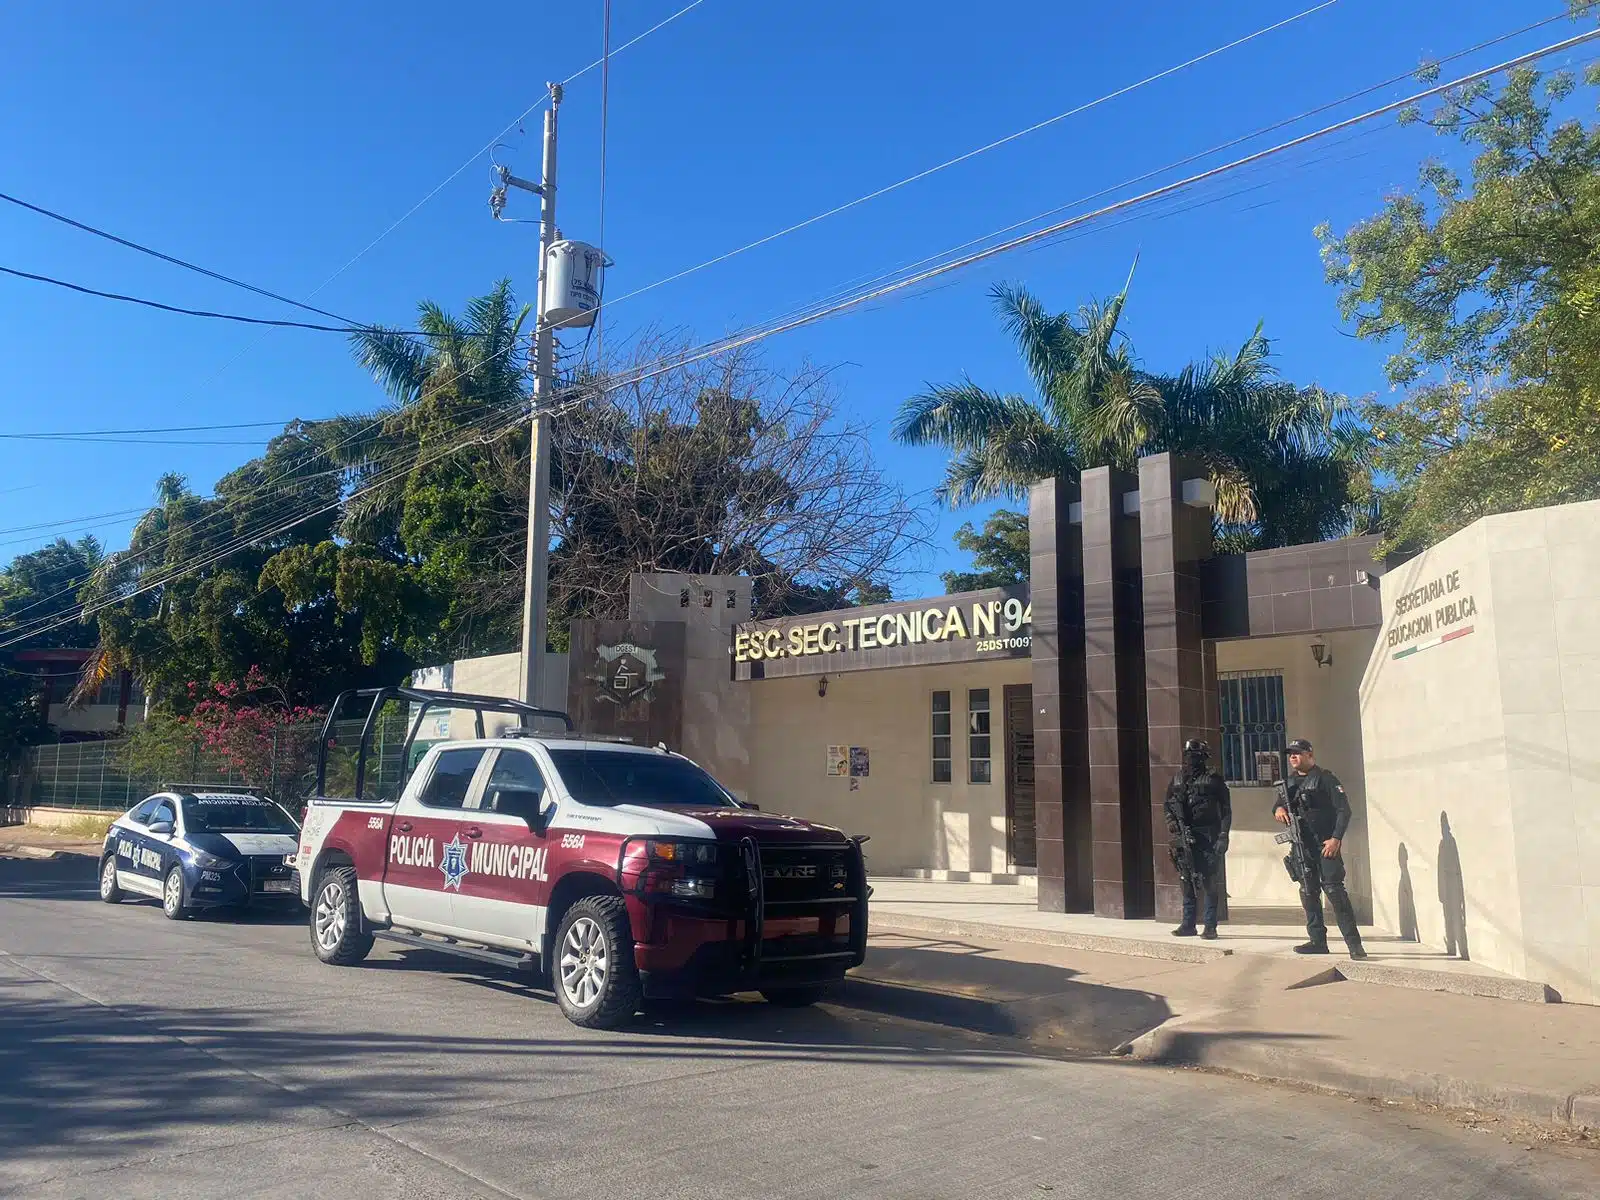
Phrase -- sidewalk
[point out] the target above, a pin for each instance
(37, 841)
(981, 961)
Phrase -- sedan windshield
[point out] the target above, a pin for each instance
(620, 777)
(235, 814)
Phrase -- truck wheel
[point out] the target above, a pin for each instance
(795, 997)
(172, 897)
(336, 933)
(594, 976)
(109, 891)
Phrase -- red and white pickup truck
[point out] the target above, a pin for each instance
(624, 872)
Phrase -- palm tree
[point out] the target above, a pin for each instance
(465, 373)
(1285, 460)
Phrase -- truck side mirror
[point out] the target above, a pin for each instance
(521, 802)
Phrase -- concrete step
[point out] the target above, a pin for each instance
(1188, 950)
(1023, 877)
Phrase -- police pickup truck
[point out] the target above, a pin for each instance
(621, 872)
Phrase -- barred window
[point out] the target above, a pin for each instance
(941, 737)
(980, 767)
(1252, 725)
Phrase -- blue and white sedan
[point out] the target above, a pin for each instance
(195, 850)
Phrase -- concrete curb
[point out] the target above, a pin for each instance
(1177, 1043)
(1174, 951)
(44, 853)
(1495, 987)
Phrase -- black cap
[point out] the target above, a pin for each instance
(1299, 746)
(1196, 746)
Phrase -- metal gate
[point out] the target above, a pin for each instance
(1021, 831)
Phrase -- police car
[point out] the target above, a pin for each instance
(202, 849)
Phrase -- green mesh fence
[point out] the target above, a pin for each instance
(117, 773)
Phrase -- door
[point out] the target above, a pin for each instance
(135, 850)
(503, 895)
(427, 855)
(1021, 831)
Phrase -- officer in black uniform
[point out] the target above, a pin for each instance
(1319, 797)
(1198, 797)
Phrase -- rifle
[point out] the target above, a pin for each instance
(1298, 861)
(1182, 846)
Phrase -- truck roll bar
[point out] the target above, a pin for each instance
(424, 698)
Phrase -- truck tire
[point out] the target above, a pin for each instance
(593, 973)
(335, 921)
(109, 891)
(795, 997)
(174, 902)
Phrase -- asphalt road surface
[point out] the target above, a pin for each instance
(143, 1057)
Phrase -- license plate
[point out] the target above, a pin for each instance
(277, 885)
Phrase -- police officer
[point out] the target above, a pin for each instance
(1198, 797)
(1319, 797)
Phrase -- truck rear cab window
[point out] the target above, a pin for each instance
(452, 776)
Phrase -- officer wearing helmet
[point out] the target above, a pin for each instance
(1199, 814)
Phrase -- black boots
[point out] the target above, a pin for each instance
(1184, 930)
(1210, 934)
(1311, 948)
(1357, 951)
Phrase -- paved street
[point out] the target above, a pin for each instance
(139, 1057)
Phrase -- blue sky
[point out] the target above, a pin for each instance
(274, 142)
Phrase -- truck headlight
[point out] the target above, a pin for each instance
(694, 889)
(684, 854)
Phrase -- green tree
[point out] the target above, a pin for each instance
(39, 588)
(1491, 288)
(1286, 461)
(999, 552)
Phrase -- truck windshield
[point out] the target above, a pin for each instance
(621, 777)
(235, 814)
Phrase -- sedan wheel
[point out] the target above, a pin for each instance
(172, 895)
(109, 891)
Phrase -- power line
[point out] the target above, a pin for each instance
(490, 145)
(93, 433)
(189, 266)
(200, 312)
(815, 314)
(961, 158)
(871, 280)
(286, 474)
(733, 342)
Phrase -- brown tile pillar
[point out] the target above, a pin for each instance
(1061, 790)
(1181, 684)
(1113, 657)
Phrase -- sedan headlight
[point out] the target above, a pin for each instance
(207, 861)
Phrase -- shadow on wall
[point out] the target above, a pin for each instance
(1452, 891)
(1406, 906)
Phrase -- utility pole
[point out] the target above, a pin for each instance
(536, 575)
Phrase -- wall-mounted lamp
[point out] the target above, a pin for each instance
(822, 686)
(1321, 654)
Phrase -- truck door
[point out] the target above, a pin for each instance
(505, 892)
(426, 856)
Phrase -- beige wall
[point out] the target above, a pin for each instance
(1499, 730)
(913, 821)
(1323, 706)
(495, 675)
